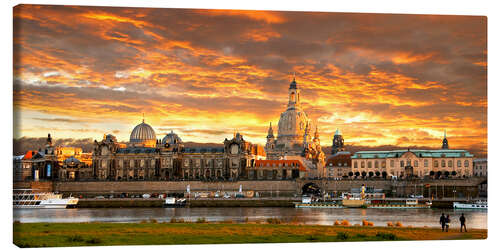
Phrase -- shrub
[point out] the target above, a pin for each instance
(312, 238)
(346, 223)
(399, 224)
(336, 223)
(94, 240)
(174, 220)
(228, 221)
(361, 236)
(201, 220)
(366, 223)
(75, 238)
(246, 220)
(273, 221)
(389, 224)
(152, 220)
(342, 236)
(386, 236)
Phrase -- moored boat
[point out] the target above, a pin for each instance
(475, 205)
(27, 198)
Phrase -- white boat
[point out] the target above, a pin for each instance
(475, 205)
(27, 198)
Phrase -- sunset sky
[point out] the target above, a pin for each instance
(400, 80)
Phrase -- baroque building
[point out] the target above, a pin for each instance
(294, 139)
(440, 163)
(146, 158)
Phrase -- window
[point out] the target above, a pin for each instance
(402, 164)
(355, 164)
(466, 163)
(443, 163)
(392, 163)
(450, 163)
(436, 164)
(459, 163)
(408, 162)
(415, 163)
(369, 164)
(376, 164)
(426, 163)
(362, 164)
(383, 164)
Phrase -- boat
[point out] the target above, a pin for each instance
(475, 205)
(408, 203)
(28, 198)
(173, 202)
(353, 202)
(307, 202)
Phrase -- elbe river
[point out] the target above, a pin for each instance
(313, 216)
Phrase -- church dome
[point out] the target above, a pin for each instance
(171, 138)
(143, 134)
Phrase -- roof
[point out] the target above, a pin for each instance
(29, 155)
(71, 160)
(136, 150)
(201, 150)
(263, 163)
(438, 153)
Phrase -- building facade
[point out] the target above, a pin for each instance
(480, 167)
(146, 158)
(295, 137)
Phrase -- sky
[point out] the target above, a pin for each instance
(381, 79)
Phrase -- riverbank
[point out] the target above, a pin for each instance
(200, 232)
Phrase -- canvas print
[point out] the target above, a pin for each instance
(140, 126)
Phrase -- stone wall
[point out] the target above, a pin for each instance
(437, 188)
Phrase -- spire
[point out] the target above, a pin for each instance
(445, 142)
(316, 134)
(270, 133)
(142, 117)
(337, 132)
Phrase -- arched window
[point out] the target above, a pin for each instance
(443, 163)
(450, 163)
(436, 164)
(426, 163)
(292, 97)
(408, 162)
(459, 163)
(402, 164)
(466, 163)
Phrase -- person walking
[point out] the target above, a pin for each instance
(442, 221)
(447, 222)
(462, 223)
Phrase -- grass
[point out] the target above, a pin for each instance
(147, 233)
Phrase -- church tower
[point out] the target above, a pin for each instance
(445, 142)
(270, 137)
(337, 143)
(293, 95)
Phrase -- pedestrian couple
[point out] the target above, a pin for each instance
(445, 222)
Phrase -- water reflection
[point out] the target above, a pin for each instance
(380, 217)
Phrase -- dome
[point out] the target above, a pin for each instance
(171, 138)
(143, 134)
(71, 160)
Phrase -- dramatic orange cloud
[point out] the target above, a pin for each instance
(397, 80)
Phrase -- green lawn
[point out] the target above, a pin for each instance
(106, 234)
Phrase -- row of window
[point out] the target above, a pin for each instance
(408, 163)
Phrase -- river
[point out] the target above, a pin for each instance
(315, 216)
